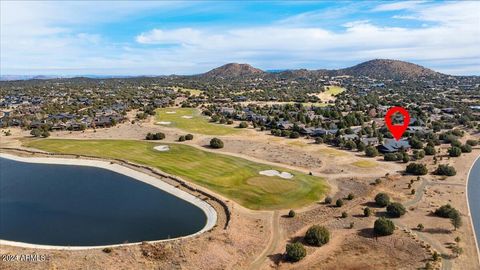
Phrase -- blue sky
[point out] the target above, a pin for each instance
(152, 38)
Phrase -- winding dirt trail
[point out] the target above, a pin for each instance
(446, 263)
(275, 235)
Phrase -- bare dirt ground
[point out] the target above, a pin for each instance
(256, 239)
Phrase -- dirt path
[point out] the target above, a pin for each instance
(446, 263)
(275, 235)
(418, 195)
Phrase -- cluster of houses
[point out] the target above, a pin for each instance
(72, 105)
(67, 121)
(416, 126)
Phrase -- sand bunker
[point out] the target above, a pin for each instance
(171, 112)
(162, 148)
(284, 175)
(163, 123)
(187, 117)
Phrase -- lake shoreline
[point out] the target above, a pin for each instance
(210, 212)
(475, 233)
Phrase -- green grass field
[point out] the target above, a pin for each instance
(196, 124)
(233, 177)
(334, 90)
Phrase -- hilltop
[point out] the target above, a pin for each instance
(390, 69)
(377, 68)
(233, 70)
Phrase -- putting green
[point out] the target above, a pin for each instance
(191, 120)
(233, 177)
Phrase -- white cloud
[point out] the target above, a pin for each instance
(45, 38)
(279, 46)
(398, 6)
(179, 36)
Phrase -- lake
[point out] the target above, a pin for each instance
(66, 205)
(474, 197)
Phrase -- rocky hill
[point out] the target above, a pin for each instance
(378, 68)
(388, 69)
(233, 70)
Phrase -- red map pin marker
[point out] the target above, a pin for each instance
(397, 130)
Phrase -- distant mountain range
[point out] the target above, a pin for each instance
(378, 68)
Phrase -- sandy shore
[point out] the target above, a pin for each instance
(209, 211)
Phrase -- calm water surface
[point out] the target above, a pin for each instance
(68, 205)
(474, 197)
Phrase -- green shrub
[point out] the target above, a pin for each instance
(350, 196)
(396, 210)
(429, 150)
(455, 143)
(466, 148)
(294, 135)
(181, 138)
(371, 151)
(295, 252)
(328, 200)
(350, 145)
(416, 143)
(454, 151)
(155, 136)
(445, 170)
(216, 143)
(456, 219)
(344, 214)
(243, 125)
(339, 203)
(361, 147)
(390, 157)
(383, 226)
(446, 211)
(291, 213)
(418, 154)
(417, 169)
(189, 137)
(285, 133)
(317, 235)
(382, 199)
(36, 132)
(367, 212)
